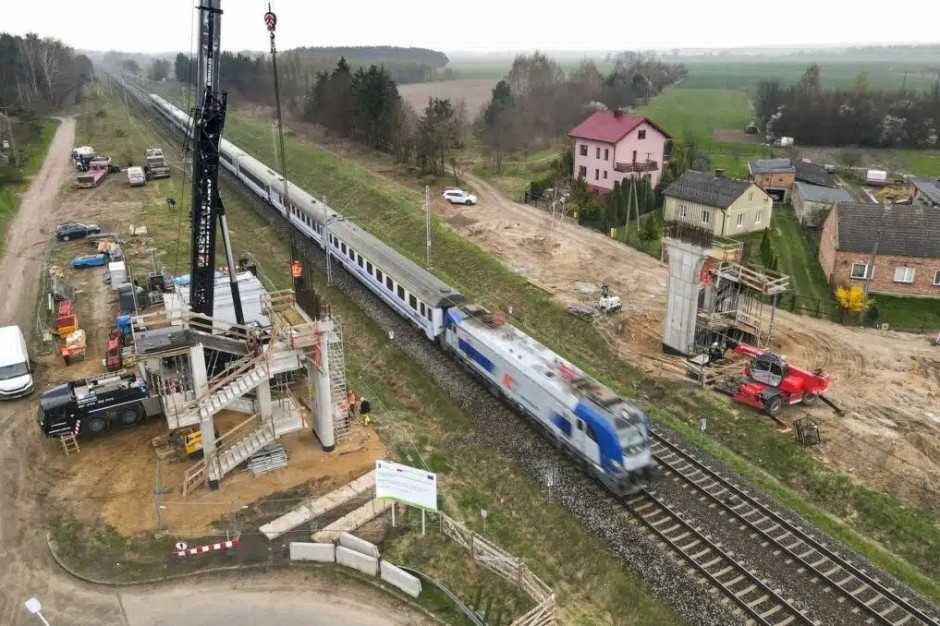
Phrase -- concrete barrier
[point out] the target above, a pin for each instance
(351, 521)
(320, 552)
(315, 507)
(394, 575)
(359, 545)
(358, 561)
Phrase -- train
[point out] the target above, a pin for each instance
(607, 436)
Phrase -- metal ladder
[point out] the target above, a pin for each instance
(337, 364)
(69, 443)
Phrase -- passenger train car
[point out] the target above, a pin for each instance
(607, 435)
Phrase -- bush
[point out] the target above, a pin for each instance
(10, 175)
(540, 184)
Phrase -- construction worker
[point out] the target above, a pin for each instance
(364, 409)
(352, 404)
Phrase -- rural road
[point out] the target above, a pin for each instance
(26, 567)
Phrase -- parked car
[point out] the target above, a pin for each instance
(459, 196)
(74, 230)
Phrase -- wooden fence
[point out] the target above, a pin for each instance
(510, 568)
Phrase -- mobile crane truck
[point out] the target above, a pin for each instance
(90, 406)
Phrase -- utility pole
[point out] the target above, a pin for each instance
(427, 221)
(870, 270)
(326, 242)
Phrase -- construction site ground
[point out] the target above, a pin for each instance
(888, 382)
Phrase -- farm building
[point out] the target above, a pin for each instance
(728, 206)
(775, 176)
(927, 191)
(813, 173)
(812, 202)
(907, 237)
(610, 146)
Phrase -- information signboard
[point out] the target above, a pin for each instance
(410, 485)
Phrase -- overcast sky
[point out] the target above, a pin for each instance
(478, 25)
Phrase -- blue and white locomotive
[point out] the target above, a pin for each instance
(608, 436)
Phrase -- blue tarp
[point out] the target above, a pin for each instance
(90, 261)
(184, 279)
(124, 324)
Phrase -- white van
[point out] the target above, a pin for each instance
(16, 379)
(136, 177)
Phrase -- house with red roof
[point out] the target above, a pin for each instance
(610, 146)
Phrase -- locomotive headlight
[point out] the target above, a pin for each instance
(617, 466)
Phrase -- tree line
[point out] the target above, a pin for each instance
(365, 105)
(37, 74)
(537, 101)
(859, 115)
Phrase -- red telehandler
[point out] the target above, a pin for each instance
(769, 382)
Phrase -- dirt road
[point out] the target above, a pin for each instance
(888, 382)
(26, 568)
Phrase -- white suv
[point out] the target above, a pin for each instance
(459, 196)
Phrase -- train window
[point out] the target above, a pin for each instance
(401, 293)
(580, 425)
(430, 314)
(359, 260)
(369, 268)
(351, 253)
(590, 432)
(388, 283)
(378, 275)
(342, 247)
(421, 308)
(413, 302)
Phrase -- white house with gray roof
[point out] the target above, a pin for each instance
(728, 206)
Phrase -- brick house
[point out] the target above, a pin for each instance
(728, 206)
(908, 256)
(610, 146)
(775, 176)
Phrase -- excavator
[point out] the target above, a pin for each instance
(769, 382)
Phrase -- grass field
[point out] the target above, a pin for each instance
(795, 255)
(413, 415)
(684, 111)
(740, 74)
(910, 313)
(394, 213)
(744, 75)
(31, 156)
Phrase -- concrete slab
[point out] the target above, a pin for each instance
(394, 575)
(359, 545)
(358, 561)
(351, 521)
(315, 507)
(320, 552)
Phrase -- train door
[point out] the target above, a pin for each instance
(586, 441)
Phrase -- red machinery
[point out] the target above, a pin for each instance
(769, 382)
(114, 359)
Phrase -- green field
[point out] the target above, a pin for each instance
(698, 111)
(393, 212)
(740, 74)
(744, 75)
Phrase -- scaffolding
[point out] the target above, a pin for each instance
(338, 391)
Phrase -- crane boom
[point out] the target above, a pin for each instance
(208, 121)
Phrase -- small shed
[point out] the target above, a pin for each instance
(812, 202)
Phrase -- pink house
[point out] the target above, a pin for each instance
(610, 146)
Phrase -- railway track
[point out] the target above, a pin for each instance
(765, 605)
(882, 603)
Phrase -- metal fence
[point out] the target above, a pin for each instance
(512, 569)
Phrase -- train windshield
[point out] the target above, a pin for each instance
(631, 430)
